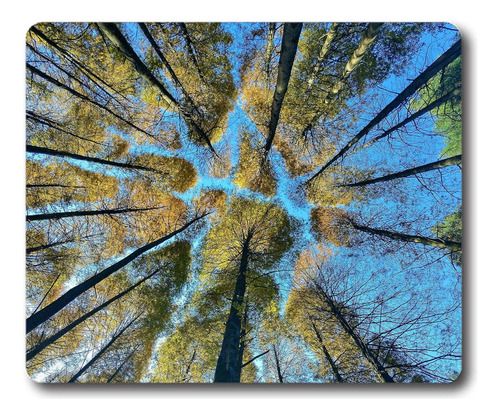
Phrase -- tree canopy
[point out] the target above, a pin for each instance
(243, 202)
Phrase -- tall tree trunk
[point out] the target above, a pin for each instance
(365, 351)
(79, 213)
(435, 242)
(46, 313)
(366, 41)
(59, 84)
(101, 352)
(269, 52)
(322, 54)
(118, 40)
(291, 34)
(369, 36)
(52, 339)
(448, 57)
(229, 366)
(278, 368)
(410, 172)
(55, 153)
(329, 359)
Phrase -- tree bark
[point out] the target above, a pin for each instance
(228, 367)
(101, 352)
(291, 34)
(48, 151)
(46, 313)
(435, 242)
(55, 244)
(410, 172)
(79, 213)
(52, 339)
(448, 57)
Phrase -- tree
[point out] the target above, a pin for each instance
(248, 240)
(444, 60)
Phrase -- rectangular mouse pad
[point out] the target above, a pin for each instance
(243, 202)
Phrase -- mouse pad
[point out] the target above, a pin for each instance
(243, 202)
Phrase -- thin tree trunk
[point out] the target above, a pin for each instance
(328, 357)
(365, 351)
(269, 51)
(46, 313)
(189, 365)
(120, 367)
(189, 45)
(324, 51)
(170, 70)
(254, 358)
(118, 40)
(229, 366)
(70, 57)
(435, 242)
(57, 83)
(48, 151)
(278, 368)
(448, 57)
(45, 58)
(47, 292)
(101, 352)
(48, 185)
(454, 93)
(410, 172)
(52, 339)
(55, 244)
(80, 213)
(291, 34)
(55, 125)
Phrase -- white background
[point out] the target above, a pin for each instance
(477, 389)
